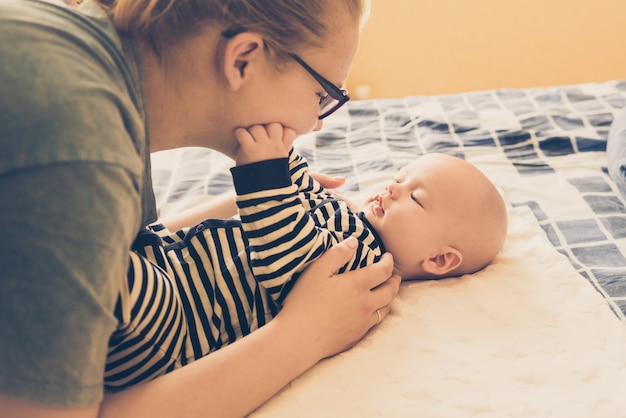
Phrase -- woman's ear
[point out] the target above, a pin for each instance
(444, 262)
(242, 56)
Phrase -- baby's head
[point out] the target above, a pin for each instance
(440, 217)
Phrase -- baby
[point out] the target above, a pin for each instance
(439, 217)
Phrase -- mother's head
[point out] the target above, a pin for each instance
(213, 65)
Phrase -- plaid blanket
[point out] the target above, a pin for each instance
(543, 147)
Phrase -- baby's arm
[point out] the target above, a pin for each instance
(283, 235)
(313, 188)
(271, 141)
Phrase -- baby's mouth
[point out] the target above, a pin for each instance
(377, 206)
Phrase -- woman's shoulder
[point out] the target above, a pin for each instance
(41, 24)
(48, 46)
(66, 86)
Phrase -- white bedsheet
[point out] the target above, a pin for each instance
(526, 337)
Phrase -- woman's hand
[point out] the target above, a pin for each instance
(324, 314)
(335, 311)
(330, 182)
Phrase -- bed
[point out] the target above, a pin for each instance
(538, 333)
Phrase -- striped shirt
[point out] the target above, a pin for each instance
(191, 292)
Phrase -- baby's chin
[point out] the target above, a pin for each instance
(409, 277)
(373, 219)
(407, 272)
(369, 211)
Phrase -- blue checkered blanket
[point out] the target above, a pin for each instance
(543, 147)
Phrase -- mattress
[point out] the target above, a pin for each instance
(540, 331)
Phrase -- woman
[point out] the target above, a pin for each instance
(86, 94)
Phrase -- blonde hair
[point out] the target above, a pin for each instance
(285, 25)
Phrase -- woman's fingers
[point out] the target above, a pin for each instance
(382, 285)
(380, 314)
(384, 270)
(338, 255)
(328, 182)
(379, 317)
(339, 309)
(382, 296)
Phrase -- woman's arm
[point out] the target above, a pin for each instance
(224, 206)
(19, 409)
(322, 316)
(275, 194)
(219, 207)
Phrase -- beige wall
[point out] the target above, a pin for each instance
(448, 46)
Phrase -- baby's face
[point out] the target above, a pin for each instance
(415, 213)
(437, 206)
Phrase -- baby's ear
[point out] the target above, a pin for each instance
(443, 262)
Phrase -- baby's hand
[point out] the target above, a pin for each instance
(263, 142)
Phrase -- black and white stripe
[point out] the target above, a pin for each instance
(194, 291)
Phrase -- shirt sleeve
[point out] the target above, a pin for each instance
(70, 177)
(274, 198)
(66, 233)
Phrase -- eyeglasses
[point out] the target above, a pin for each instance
(334, 97)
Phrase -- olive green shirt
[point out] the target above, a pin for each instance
(74, 190)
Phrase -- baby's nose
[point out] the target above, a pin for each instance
(392, 190)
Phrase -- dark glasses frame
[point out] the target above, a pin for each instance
(332, 91)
